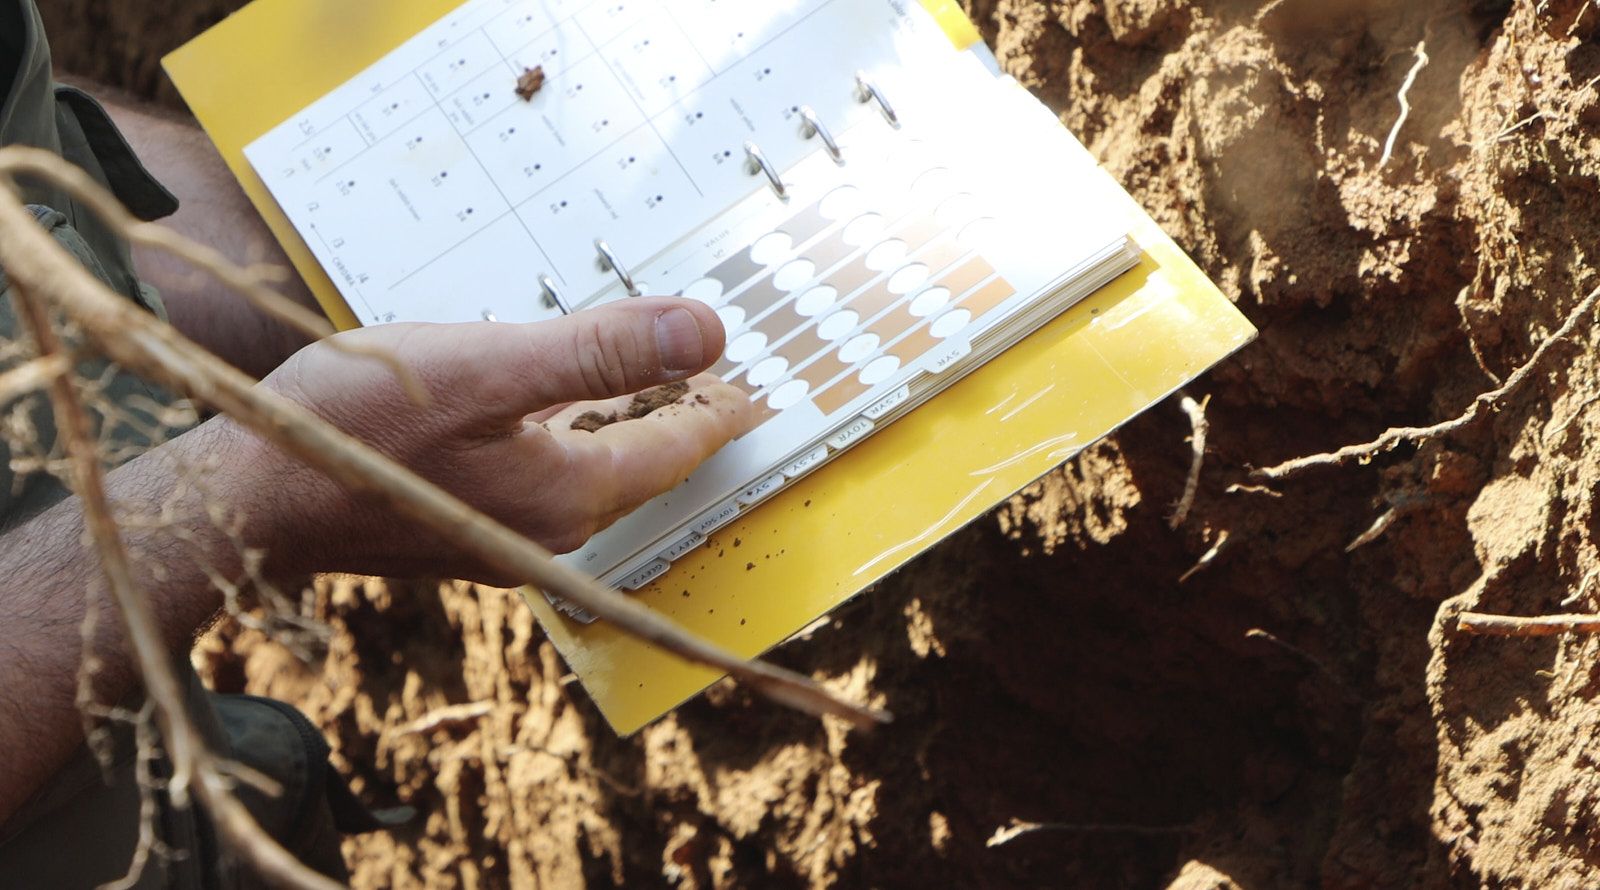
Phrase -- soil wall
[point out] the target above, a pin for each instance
(1294, 714)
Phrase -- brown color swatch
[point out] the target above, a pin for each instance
(840, 394)
(806, 344)
(985, 298)
(873, 300)
(852, 276)
(736, 270)
(965, 277)
(778, 325)
(761, 296)
(940, 256)
(829, 252)
(918, 232)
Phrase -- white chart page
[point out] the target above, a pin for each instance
(431, 191)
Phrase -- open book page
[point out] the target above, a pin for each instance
(880, 248)
(432, 190)
(870, 279)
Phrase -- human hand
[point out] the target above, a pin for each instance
(497, 432)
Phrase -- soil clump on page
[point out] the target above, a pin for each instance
(1298, 712)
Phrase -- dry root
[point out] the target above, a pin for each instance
(1394, 438)
(1197, 440)
(1482, 624)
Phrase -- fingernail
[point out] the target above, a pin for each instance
(679, 341)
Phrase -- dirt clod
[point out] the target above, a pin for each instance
(530, 82)
(643, 405)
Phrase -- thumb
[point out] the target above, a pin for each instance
(611, 350)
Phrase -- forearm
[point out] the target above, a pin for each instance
(215, 211)
(50, 579)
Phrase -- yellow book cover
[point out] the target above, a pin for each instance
(835, 532)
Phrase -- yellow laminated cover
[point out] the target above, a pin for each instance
(837, 531)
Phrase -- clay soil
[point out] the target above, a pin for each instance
(1292, 715)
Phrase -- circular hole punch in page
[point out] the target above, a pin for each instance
(933, 184)
(732, 316)
(930, 301)
(770, 248)
(842, 202)
(745, 346)
(767, 370)
(838, 324)
(886, 255)
(788, 394)
(864, 228)
(979, 232)
(908, 278)
(816, 300)
(706, 290)
(949, 323)
(879, 370)
(793, 275)
(858, 348)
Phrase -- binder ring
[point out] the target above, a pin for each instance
(813, 127)
(867, 91)
(609, 262)
(758, 163)
(552, 298)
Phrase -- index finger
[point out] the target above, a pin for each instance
(629, 462)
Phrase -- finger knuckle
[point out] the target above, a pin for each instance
(603, 359)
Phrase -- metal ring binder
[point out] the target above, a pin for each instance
(552, 298)
(867, 91)
(758, 163)
(814, 127)
(609, 262)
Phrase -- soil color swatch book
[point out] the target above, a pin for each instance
(879, 219)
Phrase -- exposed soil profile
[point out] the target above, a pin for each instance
(1292, 715)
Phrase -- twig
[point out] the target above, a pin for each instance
(142, 344)
(450, 715)
(1197, 420)
(1008, 833)
(1483, 624)
(1399, 505)
(1205, 558)
(1577, 414)
(143, 777)
(1256, 633)
(192, 763)
(1583, 586)
(1397, 436)
(29, 377)
(248, 283)
(1405, 102)
(1242, 488)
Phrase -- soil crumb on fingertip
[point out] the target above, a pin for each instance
(643, 405)
(653, 400)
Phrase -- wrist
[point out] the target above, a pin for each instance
(262, 492)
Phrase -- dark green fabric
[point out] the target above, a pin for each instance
(66, 122)
(81, 830)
